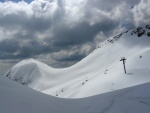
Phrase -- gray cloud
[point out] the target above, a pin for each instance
(64, 31)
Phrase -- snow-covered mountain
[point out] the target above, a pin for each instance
(100, 72)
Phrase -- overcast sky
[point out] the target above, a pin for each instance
(62, 32)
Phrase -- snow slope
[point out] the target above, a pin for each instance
(16, 98)
(98, 73)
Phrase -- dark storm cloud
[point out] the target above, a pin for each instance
(64, 31)
(8, 46)
(71, 58)
(64, 36)
(19, 49)
(78, 34)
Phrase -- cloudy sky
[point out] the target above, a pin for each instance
(62, 32)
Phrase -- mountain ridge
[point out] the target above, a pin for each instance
(99, 72)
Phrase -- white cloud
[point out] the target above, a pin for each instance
(141, 12)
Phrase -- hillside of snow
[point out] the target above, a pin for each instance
(16, 98)
(100, 72)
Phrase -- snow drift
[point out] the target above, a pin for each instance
(98, 73)
(16, 98)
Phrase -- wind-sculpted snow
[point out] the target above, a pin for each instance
(100, 72)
